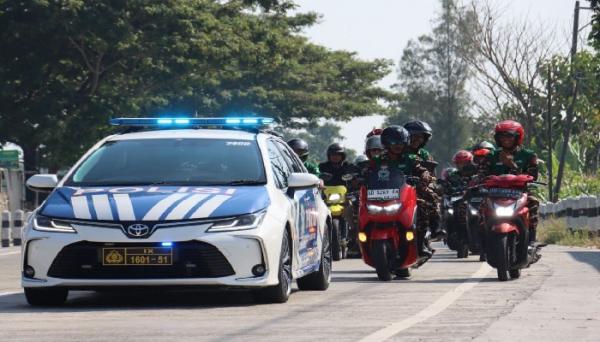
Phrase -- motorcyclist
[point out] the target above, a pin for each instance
(512, 158)
(300, 146)
(420, 133)
(336, 166)
(481, 150)
(465, 169)
(395, 140)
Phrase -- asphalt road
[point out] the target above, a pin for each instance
(557, 299)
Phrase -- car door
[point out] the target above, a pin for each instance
(306, 214)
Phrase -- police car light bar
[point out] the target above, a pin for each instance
(182, 122)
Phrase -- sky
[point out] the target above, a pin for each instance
(381, 29)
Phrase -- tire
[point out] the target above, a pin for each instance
(403, 273)
(500, 250)
(46, 296)
(319, 281)
(380, 253)
(515, 274)
(280, 293)
(336, 243)
(462, 251)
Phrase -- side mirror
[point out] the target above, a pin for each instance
(42, 182)
(302, 180)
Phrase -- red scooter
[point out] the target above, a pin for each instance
(507, 230)
(387, 215)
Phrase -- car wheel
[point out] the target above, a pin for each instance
(319, 281)
(46, 296)
(280, 292)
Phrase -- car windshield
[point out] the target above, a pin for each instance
(171, 162)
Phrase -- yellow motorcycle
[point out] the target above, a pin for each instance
(335, 198)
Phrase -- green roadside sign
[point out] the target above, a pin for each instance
(9, 159)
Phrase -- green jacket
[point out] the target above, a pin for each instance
(525, 159)
(312, 167)
(408, 164)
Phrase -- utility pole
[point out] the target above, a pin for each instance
(571, 109)
(549, 119)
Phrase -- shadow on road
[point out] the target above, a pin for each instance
(590, 258)
(86, 301)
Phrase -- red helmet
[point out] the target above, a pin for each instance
(462, 157)
(510, 127)
(375, 131)
(482, 152)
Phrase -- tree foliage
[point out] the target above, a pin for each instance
(432, 81)
(67, 66)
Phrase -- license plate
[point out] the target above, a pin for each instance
(383, 194)
(137, 256)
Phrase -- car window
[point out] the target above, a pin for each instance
(278, 165)
(171, 162)
(291, 158)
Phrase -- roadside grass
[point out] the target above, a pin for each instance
(555, 231)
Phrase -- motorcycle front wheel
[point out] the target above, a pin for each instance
(501, 257)
(381, 251)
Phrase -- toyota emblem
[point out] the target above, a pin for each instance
(138, 230)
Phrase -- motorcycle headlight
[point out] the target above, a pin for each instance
(504, 211)
(387, 209)
(243, 222)
(46, 224)
(451, 211)
(334, 197)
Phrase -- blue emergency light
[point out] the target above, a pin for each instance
(192, 122)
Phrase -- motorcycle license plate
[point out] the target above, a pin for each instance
(502, 192)
(383, 194)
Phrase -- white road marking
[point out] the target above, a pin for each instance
(102, 206)
(124, 207)
(10, 253)
(159, 208)
(432, 310)
(209, 206)
(81, 208)
(178, 213)
(2, 294)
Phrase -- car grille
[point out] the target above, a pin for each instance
(191, 259)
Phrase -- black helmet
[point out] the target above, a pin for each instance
(336, 148)
(373, 142)
(416, 126)
(394, 135)
(484, 145)
(299, 146)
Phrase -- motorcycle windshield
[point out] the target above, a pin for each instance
(384, 184)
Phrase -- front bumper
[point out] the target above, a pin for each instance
(67, 259)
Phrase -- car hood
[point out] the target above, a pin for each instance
(151, 204)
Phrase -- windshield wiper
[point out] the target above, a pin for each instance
(244, 182)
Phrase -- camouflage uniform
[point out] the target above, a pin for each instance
(527, 163)
(429, 209)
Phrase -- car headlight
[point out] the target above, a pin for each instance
(243, 222)
(334, 197)
(380, 209)
(46, 224)
(504, 211)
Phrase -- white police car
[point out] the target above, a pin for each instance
(173, 202)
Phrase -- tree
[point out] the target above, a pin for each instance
(66, 67)
(433, 75)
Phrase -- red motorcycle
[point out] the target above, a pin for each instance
(506, 219)
(387, 231)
